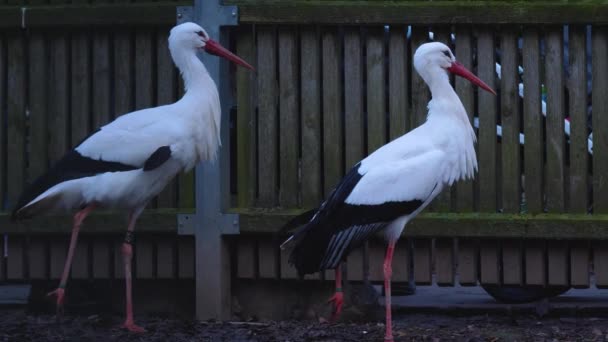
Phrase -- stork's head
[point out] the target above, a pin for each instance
(436, 57)
(192, 37)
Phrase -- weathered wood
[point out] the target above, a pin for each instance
(444, 261)
(401, 261)
(246, 258)
(58, 251)
(354, 263)
(123, 73)
(3, 133)
(268, 259)
(333, 168)
(38, 106)
(15, 107)
(101, 260)
(420, 91)
(185, 258)
(354, 129)
(165, 258)
(15, 260)
(37, 259)
(58, 118)
(267, 117)
(377, 251)
(245, 120)
(80, 266)
(579, 264)
(487, 121)
(144, 259)
(599, 55)
(557, 263)
(577, 91)
(81, 87)
(186, 185)
(600, 263)
(288, 118)
(489, 262)
(376, 93)
(536, 267)
(464, 89)
(467, 259)
(509, 112)
(533, 148)
(310, 86)
(398, 85)
(287, 270)
(422, 261)
(512, 262)
(144, 89)
(554, 83)
(101, 78)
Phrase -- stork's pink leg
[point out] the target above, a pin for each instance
(127, 254)
(60, 291)
(388, 271)
(338, 297)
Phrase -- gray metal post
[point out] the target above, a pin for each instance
(212, 180)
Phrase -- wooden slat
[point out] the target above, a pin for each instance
(246, 258)
(15, 101)
(287, 270)
(267, 117)
(144, 259)
(533, 148)
(557, 263)
(401, 261)
(310, 79)
(3, 133)
(354, 263)
(600, 263)
(185, 258)
(3, 252)
(398, 85)
(509, 112)
(58, 251)
(577, 91)
(376, 254)
(38, 106)
(554, 84)
(444, 261)
(512, 262)
(186, 185)
(579, 264)
(165, 258)
(58, 117)
(464, 89)
(376, 104)
(245, 120)
(101, 260)
(422, 261)
(288, 118)
(123, 72)
(267, 259)
(15, 261)
(489, 262)
(487, 121)
(332, 110)
(420, 91)
(354, 130)
(80, 265)
(144, 89)
(37, 258)
(101, 78)
(536, 267)
(599, 55)
(468, 259)
(81, 87)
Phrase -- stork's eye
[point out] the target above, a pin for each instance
(201, 34)
(447, 53)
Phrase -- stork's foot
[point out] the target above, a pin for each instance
(60, 294)
(338, 301)
(132, 327)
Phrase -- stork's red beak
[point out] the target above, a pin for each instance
(214, 48)
(460, 70)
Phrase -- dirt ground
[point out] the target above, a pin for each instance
(17, 325)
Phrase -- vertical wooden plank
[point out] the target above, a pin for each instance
(376, 253)
(599, 55)
(420, 91)
(511, 160)
(487, 121)
(600, 262)
(512, 269)
(58, 253)
(101, 78)
(267, 117)
(533, 149)
(536, 269)
(577, 90)
(3, 133)
(444, 261)
(144, 89)
(38, 106)
(376, 106)
(398, 60)
(287, 270)
(354, 264)
(165, 258)
(422, 261)
(267, 259)
(123, 75)
(579, 264)
(554, 84)
(101, 260)
(354, 130)
(185, 259)
(467, 262)
(464, 89)
(15, 263)
(15, 102)
(246, 260)
(58, 118)
(332, 110)
(144, 259)
(81, 87)
(4, 237)
(37, 259)
(557, 263)
(489, 262)
(288, 118)
(246, 128)
(80, 265)
(401, 261)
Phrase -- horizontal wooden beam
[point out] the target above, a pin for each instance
(94, 15)
(475, 225)
(421, 12)
(151, 221)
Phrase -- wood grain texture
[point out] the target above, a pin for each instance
(580, 258)
(558, 263)
(166, 265)
(489, 262)
(444, 261)
(468, 260)
(80, 98)
(354, 128)
(246, 258)
(101, 79)
(422, 261)
(398, 85)
(600, 263)
(3, 133)
(512, 262)
(38, 105)
(599, 98)
(123, 73)
(15, 258)
(376, 90)
(536, 267)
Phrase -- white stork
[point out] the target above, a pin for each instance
(393, 184)
(127, 162)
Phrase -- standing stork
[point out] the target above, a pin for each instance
(127, 162)
(392, 185)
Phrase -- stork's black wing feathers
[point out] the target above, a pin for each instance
(161, 155)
